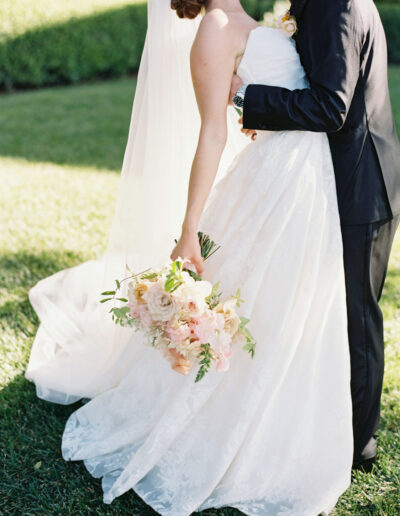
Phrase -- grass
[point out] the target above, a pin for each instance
(60, 153)
(84, 126)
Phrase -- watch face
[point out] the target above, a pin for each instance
(238, 101)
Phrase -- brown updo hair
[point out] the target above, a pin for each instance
(188, 8)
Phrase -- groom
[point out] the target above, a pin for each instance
(343, 50)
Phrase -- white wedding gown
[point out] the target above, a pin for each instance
(273, 435)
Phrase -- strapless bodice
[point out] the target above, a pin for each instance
(271, 58)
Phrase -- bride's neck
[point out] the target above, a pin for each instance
(225, 5)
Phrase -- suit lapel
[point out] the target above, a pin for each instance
(297, 8)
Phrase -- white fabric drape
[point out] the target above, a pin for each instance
(272, 436)
(77, 350)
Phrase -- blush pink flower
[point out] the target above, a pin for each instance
(135, 311)
(207, 325)
(145, 317)
(221, 342)
(223, 364)
(178, 334)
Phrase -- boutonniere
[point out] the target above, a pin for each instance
(288, 24)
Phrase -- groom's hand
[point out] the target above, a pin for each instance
(248, 132)
(235, 85)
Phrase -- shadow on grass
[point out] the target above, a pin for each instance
(18, 273)
(34, 477)
(36, 480)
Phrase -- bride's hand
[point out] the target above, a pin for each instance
(188, 247)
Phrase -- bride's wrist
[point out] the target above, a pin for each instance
(189, 228)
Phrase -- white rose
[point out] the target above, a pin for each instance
(232, 320)
(193, 296)
(289, 27)
(161, 305)
(221, 342)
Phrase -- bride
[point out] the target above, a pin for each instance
(273, 435)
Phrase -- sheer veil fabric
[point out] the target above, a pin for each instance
(77, 351)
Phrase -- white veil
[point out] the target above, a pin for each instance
(162, 142)
(78, 351)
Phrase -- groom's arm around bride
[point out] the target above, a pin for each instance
(343, 49)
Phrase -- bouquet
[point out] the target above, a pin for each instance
(182, 315)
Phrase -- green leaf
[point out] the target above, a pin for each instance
(121, 312)
(151, 275)
(205, 363)
(169, 284)
(251, 348)
(195, 276)
(108, 293)
(120, 316)
(239, 301)
(208, 246)
(251, 343)
(213, 299)
(244, 321)
(118, 284)
(105, 300)
(176, 286)
(122, 299)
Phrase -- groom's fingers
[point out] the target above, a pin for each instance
(248, 132)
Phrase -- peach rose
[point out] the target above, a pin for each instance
(139, 290)
(178, 362)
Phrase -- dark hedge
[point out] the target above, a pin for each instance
(109, 44)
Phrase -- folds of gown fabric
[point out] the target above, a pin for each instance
(272, 435)
(78, 351)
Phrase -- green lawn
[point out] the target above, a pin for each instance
(60, 153)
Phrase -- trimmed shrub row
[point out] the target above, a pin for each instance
(390, 14)
(109, 44)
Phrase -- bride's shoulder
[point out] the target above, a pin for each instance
(215, 31)
(214, 20)
(215, 25)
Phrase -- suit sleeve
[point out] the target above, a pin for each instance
(335, 47)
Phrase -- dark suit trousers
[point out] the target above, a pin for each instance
(366, 255)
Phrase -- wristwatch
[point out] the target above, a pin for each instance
(238, 99)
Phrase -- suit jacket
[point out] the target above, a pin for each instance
(342, 47)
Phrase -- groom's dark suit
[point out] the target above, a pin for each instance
(343, 49)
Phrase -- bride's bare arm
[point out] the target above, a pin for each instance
(212, 65)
